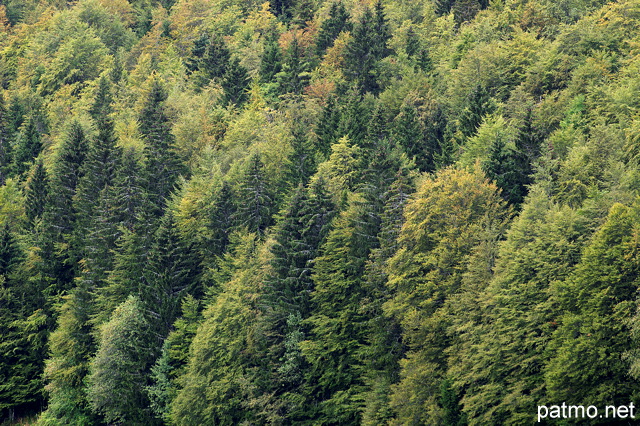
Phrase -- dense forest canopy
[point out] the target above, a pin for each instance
(323, 212)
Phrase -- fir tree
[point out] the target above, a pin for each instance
(294, 75)
(337, 22)
(235, 83)
(255, 198)
(479, 104)
(37, 193)
(327, 128)
(5, 142)
(162, 164)
(28, 145)
(271, 62)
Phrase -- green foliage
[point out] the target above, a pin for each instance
(116, 380)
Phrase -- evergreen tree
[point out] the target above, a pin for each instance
(302, 160)
(294, 75)
(162, 164)
(37, 193)
(28, 145)
(215, 58)
(221, 220)
(367, 47)
(271, 62)
(67, 172)
(171, 272)
(327, 128)
(254, 197)
(337, 324)
(235, 83)
(5, 142)
(337, 22)
(479, 104)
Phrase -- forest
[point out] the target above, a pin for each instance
(318, 212)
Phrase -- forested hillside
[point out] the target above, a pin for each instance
(318, 212)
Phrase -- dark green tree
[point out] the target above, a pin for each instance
(255, 199)
(271, 61)
(337, 22)
(235, 83)
(479, 104)
(326, 130)
(36, 193)
(162, 164)
(28, 145)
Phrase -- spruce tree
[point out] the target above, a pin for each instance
(254, 197)
(162, 164)
(327, 128)
(28, 145)
(5, 142)
(271, 62)
(337, 22)
(36, 193)
(235, 83)
(479, 104)
(294, 75)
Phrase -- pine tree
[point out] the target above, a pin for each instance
(36, 193)
(479, 104)
(221, 220)
(254, 198)
(337, 22)
(294, 75)
(327, 128)
(5, 142)
(367, 47)
(235, 83)
(67, 172)
(171, 272)
(337, 324)
(271, 62)
(28, 145)
(302, 160)
(215, 58)
(162, 164)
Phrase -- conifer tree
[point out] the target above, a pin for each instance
(28, 145)
(162, 164)
(327, 128)
(37, 193)
(337, 325)
(271, 62)
(5, 142)
(337, 22)
(367, 47)
(254, 197)
(67, 172)
(221, 220)
(479, 104)
(171, 272)
(215, 58)
(294, 75)
(235, 83)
